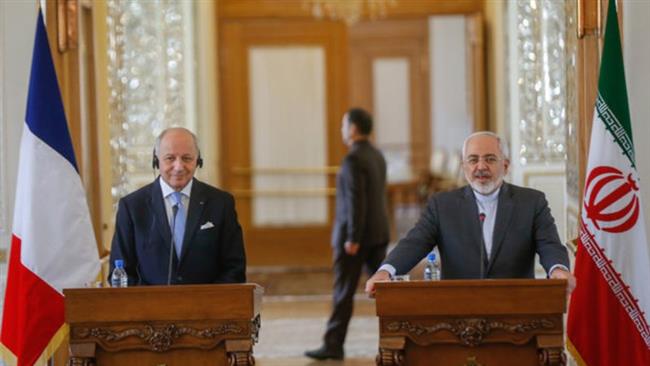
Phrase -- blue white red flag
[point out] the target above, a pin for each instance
(52, 244)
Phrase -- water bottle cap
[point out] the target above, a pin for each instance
(119, 263)
(431, 257)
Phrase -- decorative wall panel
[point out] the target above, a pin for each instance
(151, 82)
(542, 80)
(544, 111)
(572, 166)
(572, 156)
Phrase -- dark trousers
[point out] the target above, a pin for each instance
(347, 271)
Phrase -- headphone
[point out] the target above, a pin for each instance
(155, 163)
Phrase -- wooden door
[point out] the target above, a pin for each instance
(389, 75)
(283, 92)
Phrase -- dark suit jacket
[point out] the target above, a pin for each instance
(524, 226)
(361, 198)
(209, 255)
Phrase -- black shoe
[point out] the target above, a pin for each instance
(325, 353)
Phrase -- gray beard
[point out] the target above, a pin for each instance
(486, 189)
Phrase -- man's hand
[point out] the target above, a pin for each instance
(351, 248)
(380, 276)
(562, 274)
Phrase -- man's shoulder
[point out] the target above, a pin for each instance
(140, 193)
(514, 191)
(351, 159)
(453, 194)
(366, 152)
(522, 192)
(211, 191)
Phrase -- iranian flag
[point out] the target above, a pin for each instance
(52, 246)
(610, 307)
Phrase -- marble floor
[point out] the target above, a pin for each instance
(293, 324)
(296, 307)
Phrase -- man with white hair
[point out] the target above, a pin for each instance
(178, 230)
(487, 229)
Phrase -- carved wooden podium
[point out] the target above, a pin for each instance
(163, 325)
(471, 322)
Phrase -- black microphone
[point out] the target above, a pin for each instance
(173, 244)
(481, 218)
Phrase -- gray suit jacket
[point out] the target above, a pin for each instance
(524, 226)
(361, 214)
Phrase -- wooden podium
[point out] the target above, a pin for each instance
(471, 322)
(163, 325)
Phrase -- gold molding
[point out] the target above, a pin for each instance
(157, 338)
(589, 23)
(247, 9)
(67, 25)
(472, 332)
(573, 214)
(3, 255)
(302, 192)
(247, 170)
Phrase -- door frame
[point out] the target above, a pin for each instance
(275, 245)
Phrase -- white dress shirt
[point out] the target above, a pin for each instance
(487, 205)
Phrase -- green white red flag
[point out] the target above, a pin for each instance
(610, 307)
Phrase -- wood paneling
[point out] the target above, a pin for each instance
(412, 329)
(590, 32)
(274, 246)
(407, 39)
(243, 23)
(90, 135)
(476, 70)
(64, 34)
(301, 9)
(66, 65)
(215, 324)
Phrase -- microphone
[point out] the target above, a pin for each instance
(481, 218)
(172, 245)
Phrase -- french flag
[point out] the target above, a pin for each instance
(52, 246)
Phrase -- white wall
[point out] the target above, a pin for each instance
(17, 28)
(451, 121)
(392, 108)
(636, 52)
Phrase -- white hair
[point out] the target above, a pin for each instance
(156, 146)
(503, 145)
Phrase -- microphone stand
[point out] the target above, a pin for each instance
(172, 245)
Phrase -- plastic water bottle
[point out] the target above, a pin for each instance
(119, 277)
(432, 268)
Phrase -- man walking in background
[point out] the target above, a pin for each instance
(360, 234)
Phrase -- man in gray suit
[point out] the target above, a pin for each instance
(360, 234)
(487, 229)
